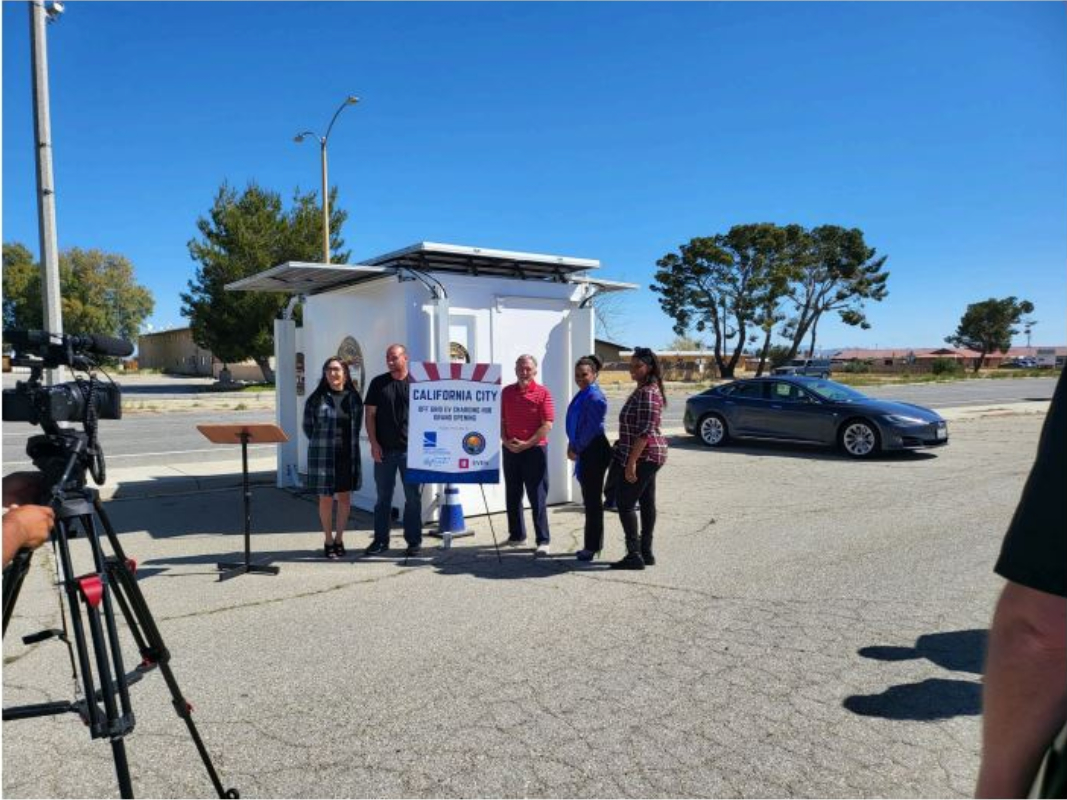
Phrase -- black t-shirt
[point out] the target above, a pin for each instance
(390, 397)
(1034, 552)
(341, 407)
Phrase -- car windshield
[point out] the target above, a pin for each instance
(835, 392)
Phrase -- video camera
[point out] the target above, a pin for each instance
(74, 401)
(61, 454)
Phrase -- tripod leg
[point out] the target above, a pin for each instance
(72, 589)
(492, 530)
(122, 766)
(114, 680)
(14, 575)
(153, 650)
(149, 639)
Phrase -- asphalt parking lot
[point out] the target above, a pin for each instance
(814, 627)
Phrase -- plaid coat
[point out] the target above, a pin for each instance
(320, 426)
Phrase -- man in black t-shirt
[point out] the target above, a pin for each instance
(387, 428)
(1024, 699)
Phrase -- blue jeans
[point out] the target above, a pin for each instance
(385, 481)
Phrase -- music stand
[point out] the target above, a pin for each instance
(258, 433)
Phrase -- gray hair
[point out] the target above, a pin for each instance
(527, 357)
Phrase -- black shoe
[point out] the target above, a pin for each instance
(329, 550)
(649, 559)
(413, 550)
(376, 548)
(339, 549)
(514, 541)
(632, 561)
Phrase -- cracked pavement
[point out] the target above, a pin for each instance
(732, 668)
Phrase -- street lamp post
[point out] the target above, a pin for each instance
(40, 15)
(351, 100)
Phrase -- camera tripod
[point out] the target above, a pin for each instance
(104, 705)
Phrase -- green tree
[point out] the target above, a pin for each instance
(22, 288)
(98, 292)
(242, 235)
(838, 272)
(728, 283)
(989, 325)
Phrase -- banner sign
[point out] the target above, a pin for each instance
(454, 423)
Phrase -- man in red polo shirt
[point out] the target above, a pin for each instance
(526, 416)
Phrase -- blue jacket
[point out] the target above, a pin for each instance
(585, 420)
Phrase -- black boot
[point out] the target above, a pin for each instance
(633, 558)
(646, 550)
(632, 561)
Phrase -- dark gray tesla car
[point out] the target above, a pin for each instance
(813, 410)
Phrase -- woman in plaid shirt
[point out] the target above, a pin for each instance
(333, 415)
(639, 453)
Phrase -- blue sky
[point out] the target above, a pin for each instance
(599, 130)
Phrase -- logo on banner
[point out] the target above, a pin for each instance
(473, 443)
(464, 463)
(429, 439)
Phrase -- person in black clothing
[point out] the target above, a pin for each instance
(387, 429)
(333, 415)
(1024, 694)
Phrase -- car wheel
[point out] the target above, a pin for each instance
(712, 430)
(859, 438)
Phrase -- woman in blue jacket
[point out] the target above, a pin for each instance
(333, 416)
(588, 448)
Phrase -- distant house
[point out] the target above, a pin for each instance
(684, 365)
(608, 352)
(175, 352)
(921, 358)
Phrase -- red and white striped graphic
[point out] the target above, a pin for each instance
(420, 371)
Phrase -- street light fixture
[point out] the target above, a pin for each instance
(351, 100)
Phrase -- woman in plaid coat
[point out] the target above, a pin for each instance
(639, 453)
(333, 416)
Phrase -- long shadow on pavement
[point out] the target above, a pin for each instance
(934, 698)
(477, 561)
(222, 512)
(807, 452)
(481, 561)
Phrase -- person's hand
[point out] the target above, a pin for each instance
(520, 445)
(376, 452)
(22, 488)
(26, 527)
(630, 473)
(571, 454)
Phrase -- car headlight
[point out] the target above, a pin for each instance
(901, 419)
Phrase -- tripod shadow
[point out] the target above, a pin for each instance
(934, 698)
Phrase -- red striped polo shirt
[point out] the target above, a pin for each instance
(524, 411)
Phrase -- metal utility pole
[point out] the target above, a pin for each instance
(46, 193)
(351, 100)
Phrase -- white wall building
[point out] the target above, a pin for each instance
(443, 302)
